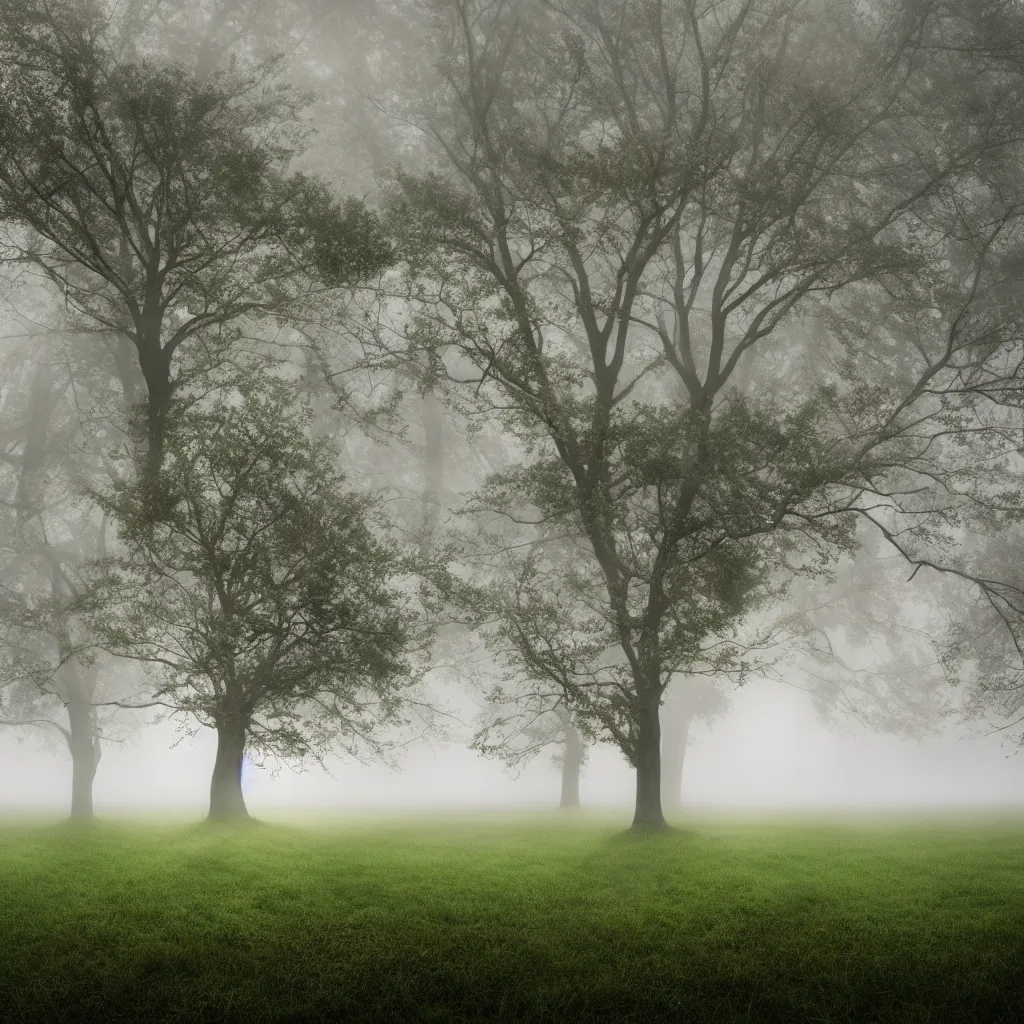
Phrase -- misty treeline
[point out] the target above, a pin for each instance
(597, 355)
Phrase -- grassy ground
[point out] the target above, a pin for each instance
(525, 919)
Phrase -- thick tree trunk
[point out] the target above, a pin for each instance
(648, 816)
(572, 761)
(155, 365)
(84, 745)
(226, 800)
(674, 735)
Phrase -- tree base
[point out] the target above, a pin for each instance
(650, 828)
(81, 821)
(230, 818)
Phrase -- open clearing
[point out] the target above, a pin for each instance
(514, 918)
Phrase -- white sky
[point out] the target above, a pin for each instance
(769, 751)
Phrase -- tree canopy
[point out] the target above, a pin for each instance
(159, 200)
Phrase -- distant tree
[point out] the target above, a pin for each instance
(516, 726)
(39, 693)
(208, 35)
(687, 701)
(982, 646)
(48, 679)
(570, 758)
(260, 588)
(159, 199)
(862, 642)
(868, 644)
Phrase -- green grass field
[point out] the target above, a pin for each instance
(516, 919)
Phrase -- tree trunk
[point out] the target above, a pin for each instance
(572, 761)
(155, 365)
(674, 735)
(84, 745)
(226, 800)
(156, 423)
(648, 816)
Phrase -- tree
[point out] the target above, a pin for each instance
(517, 726)
(260, 587)
(48, 681)
(625, 193)
(693, 699)
(211, 34)
(867, 644)
(158, 198)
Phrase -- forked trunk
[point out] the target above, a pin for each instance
(84, 745)
(572, 761)
(648, 816)
(226, 800)
(675, 733)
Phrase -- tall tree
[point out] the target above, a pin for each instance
(625, 193)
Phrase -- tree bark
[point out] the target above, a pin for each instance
(572, 761)
(226, 800)
(157, 409)
(155, 364)
(647, 815)
(674, 735)
(85, 749)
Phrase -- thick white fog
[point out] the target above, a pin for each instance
(770, 751)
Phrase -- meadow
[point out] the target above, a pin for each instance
(528, 918)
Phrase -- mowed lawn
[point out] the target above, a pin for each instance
(532, 918)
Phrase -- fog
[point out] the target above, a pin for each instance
(769, 752)
(296, 440)
(511, 510)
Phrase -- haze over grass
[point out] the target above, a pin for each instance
(515, 918)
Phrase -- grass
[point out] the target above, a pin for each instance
(525, 919)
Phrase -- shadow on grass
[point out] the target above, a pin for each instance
(234, 826)
(76, 827)
(645, 836)
(244, 828)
